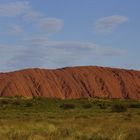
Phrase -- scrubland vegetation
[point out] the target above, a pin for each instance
(78, 119)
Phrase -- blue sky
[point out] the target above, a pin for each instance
(60, 33)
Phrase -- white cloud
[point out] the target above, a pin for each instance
(32, 15)
(37, 20)
(7, 53)
(20, 8)
(39, 51)
(53, 54)
(110, 23)
(14, 8)
(15, 29)
(50, 25)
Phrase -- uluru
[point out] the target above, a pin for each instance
(72, 82)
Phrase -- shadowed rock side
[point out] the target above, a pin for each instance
(75, 82)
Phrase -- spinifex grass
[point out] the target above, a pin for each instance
(79, 119)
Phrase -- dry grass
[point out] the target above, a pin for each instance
(47, 121)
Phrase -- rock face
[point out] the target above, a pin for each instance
(74, 82)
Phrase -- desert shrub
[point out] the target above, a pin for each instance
(134, 105)
(36, 98)
(119, 108)
(86, 106)
(16, 102)
(28, 104)
(102, 105)
(5, 102)
(67, 106)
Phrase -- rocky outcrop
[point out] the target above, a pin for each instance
(73, 82)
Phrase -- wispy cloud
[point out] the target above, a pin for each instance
(15, 29)
(14, 8)
(27, 14)
(50, 25)
(44, 53)
(7, 53)
(38, 50)
(110, 23)
(32, 15)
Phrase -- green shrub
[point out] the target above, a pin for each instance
(67, 106)
(16, 102)
(5, 102)
(134, 105)
(86, 106)
(28, 104)
(102, 105)
(119, 108)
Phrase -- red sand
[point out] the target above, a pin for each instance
(74, 82)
